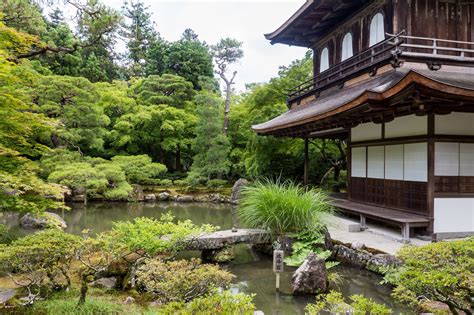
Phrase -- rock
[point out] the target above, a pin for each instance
(164, 196)
(434, 307)
(258, 313)
(328, 244)
(150, 197)
(380, 262)
(42, 221)
(185, 199)
(7, 295)
(234, 197)
(129, 300)
(351, 256)
(358, 246)
(78, 198)
(221, 239)
(137, 193)
(311, 277)
(201, 198)
(104, 283)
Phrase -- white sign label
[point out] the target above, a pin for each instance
(278, 256)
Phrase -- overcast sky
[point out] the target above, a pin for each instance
(244, 20)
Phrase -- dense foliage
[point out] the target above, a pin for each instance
(224, 302)
(334, 303)
(282, 207)
(156, 116)
(151, 237)
(440, 271)
(180, 281)
(40, 261)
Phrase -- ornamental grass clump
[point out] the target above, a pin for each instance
(282, 207)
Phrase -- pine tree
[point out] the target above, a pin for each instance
(139, 33)
(211, 145)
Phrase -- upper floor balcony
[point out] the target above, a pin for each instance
(394, 51)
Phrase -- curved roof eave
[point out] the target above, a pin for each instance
(372, 94)
(301, 10)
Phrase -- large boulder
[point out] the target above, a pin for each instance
(381, 262)
(236, 189)
(150, 197)
(42, 221)
(311, 277)
(164, 196)
(104, 283)
(354, 257)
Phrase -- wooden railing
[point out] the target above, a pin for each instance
(390, 50)
(412, 46)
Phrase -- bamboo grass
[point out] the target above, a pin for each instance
(282, 207)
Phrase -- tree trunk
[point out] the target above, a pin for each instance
(227, 108)
(84, 288)
(178, 159)
(55, 140)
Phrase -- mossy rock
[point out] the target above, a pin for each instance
(46, 220)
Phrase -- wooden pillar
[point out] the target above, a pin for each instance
(431, 171)
(306, 162)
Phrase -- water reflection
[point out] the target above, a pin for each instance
(253, 271)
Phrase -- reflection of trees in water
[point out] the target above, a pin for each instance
(99, 216)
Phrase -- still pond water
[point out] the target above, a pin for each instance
(253, 274)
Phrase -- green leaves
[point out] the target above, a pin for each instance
(282, 207)
(151, 237)
(180, 281)
(440, 271)
(139, 169)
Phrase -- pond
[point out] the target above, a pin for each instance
(253, 273)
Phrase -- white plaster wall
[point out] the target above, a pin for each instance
(446, 159)
(376, 162)
(407, 126)
(453, 215)
(394, 162)
(368, 131)
(358, 162)
(455, 124)
(466, 159)
(416, 162)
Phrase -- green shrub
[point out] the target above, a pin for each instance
(150, 236)
(181, 182)
(70, 307)
(40, 260)
(282, 207)
(440, 271)
(139, 169)
(215, 303)
(5, 237)
(334, 303)
(165, 182)
(102, 180)
(216, 183)
(181, 280)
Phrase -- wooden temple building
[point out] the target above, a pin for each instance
(395, 79)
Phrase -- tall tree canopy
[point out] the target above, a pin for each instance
(139, 32)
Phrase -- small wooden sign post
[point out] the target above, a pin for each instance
(278, 256)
